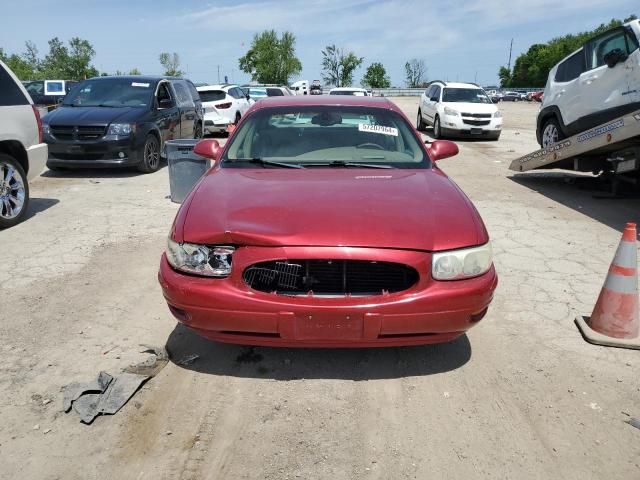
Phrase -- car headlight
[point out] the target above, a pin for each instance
(45, 129)
(451, 111)
(121, 129)
(209, 261)
(463, 263)
(498, 114)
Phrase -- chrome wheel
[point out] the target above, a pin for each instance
(152, 155)
(12, 191)
(549, 135)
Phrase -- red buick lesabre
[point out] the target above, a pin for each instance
(325, 222)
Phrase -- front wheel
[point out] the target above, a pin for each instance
(420, 125)
(150, 155)
(197, 133)
(551, 133)
(437, 131)
(14, 192)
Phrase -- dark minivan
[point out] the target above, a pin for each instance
(121, 121)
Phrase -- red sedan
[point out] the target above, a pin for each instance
(325, 222)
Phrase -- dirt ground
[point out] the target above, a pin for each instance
(521, 396)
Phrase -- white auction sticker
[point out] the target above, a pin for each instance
(364, 127)
(137, 84)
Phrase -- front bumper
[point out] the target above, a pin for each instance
(228, 310)
(471, 126)
(214, 122)
(109, 151)
(37, 155)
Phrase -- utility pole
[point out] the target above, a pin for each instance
(510, 50)
(218, 74)
(475, 80)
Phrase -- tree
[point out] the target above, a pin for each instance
(415, 73)
(73, 63)
(505, 77)
(31, 56)
(171, 64)
(338, 68)
(376, 76)
(271, 59)
(135, 71)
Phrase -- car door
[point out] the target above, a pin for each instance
(167, 112)
(240, 99)
(606, 88)
(431, 103)
(187, 109)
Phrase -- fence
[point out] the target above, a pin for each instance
(416, 92)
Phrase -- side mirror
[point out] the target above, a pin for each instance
(434, 99)
(247, 96)
(614, 57)
(442, 149)
(166, 103)
(208, 148)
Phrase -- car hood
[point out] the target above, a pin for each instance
(471, 107)
(92, 115)
(404, 209)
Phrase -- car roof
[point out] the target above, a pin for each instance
(138, 78)
(326, 100)
(461, 85)
(218, 86)
(348, 89)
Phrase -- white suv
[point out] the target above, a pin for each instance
(595, 84)
(22, 153)
(456, 109)
(223, 105)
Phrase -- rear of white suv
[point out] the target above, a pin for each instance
(595, 84)
(458, 109)
(223, 105)
(22, 153)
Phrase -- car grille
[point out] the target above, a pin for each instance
(330, 277)
(77, 156)
(83, 132)
(477, 115)
(477, 123)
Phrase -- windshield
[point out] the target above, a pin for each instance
(357, 93)
(111, 92)
(466, 95)
(212, 95)
(35, 88)
(318, 136)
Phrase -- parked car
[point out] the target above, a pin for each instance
(316, 88)
(494, 95)
(22, 151)
(512, 97)
(49, 92)
(121, 121)
(222, 106)
(301, 87)
(281, 243)
(258, 92)
(537, 96)
(358, 92)
(595, 84)
(456, 109)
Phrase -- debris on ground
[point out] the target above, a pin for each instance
(152, 365)
(105, 395)
(634, 422)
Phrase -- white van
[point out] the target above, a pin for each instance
(301, 87)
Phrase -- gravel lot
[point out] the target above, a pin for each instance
(521, 396)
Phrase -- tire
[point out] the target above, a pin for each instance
(150, 155)
(551, 132)
(197, 133)
(14, 192)
(420, 125)
(495, 137)
(437, 130)
(238, 117)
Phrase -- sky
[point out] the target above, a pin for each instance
(464, 40)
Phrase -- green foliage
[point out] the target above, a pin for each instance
(271, 59)
(531, 69)
(171, 64)
(338, 67)
(376, 77)
(415, 73)
(135, 71)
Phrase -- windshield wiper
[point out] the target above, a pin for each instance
(343, 163)
(264, 162)
(105, 105)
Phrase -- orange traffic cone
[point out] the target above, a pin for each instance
(614, 321)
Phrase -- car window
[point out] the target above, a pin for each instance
(192, 91)
(427, 93)
(182, 95)
(312, 135)
(274, 92)
(466, 95)
(571, 68)
(436, 92)
(599, 47)
(110, 92)
(212, 95)
(163, 92)
(54, 87)
(35, 87)
(10, 93)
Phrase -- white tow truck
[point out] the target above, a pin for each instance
(611, 149)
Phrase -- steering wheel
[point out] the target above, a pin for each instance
(370, 145)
